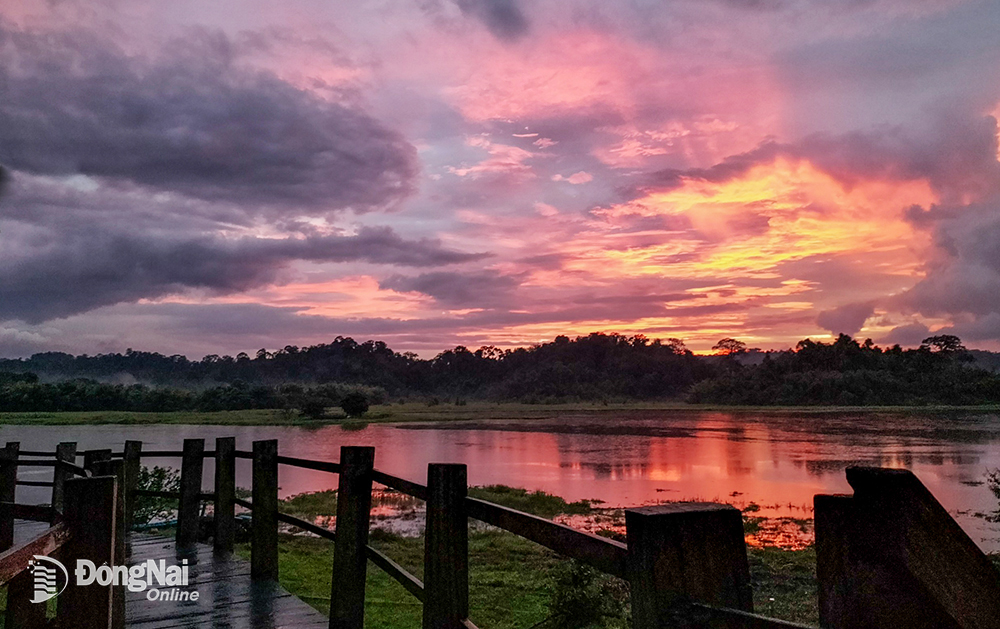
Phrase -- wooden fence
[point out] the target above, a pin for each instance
(82, 514)
(887, 557)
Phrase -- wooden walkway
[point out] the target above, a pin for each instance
(227, 599)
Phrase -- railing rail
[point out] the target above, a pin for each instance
(605, 554)
(744, 620)
(16, 560)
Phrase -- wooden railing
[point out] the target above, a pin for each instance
(686, 563)
(81, 514)
(444, 589)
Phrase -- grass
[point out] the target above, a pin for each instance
(509, 580)
(784, 583)
(311, 504)
(421, 412)
(537, 502)
(546, 505)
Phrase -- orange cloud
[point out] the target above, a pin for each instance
(346, 297)
(776, 212)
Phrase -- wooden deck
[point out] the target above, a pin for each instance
(227, 599)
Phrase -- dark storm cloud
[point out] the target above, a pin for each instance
(88, 269)
(909, 335)
(503, 18)
(847, 319)
(966, 280)
(963, 280)
(191, 121)
(480, 289)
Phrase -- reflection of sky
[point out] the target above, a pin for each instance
(779, 462)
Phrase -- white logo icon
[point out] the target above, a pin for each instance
(45, 578)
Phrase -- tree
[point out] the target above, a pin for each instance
(154, 509)
(729, 347)
(354, 404)
(945, 343)
(314, 407)
(677, 346)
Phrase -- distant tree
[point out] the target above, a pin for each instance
(677, 346)
(729, 347)
(945, 343)
(354, 404)
(314, 407)
(490, 352)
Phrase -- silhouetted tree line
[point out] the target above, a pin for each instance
(846, 372)
(82, 394)
(609, 367)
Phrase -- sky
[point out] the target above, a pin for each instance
(215, 177)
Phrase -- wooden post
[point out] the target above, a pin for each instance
(446, 548)
(116, 468)
(133, 464)
(21, 612)
(8, 492)
(891, 556)
(225, 494)
(91, 458)
(90, 514)
(65, 452)
(682, 553)
(350, 558)
(264, 535)
(190, 501)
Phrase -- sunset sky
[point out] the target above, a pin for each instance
(213, 177)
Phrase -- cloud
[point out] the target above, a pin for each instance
(481, 289)
(908, 335)
(847, 319)
(14, 342)
(576, 178)
(503, 18)
(80, 271)
(985, 328)
(191, 121)
(954, 152)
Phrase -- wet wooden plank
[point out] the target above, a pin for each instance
(227, 597)
(26, 529)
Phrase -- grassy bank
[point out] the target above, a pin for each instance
(512, 581)
(422, 412)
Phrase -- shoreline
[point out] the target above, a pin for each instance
(421, 412)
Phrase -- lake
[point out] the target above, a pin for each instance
(778, 461)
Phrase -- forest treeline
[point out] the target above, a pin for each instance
(596, 367)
